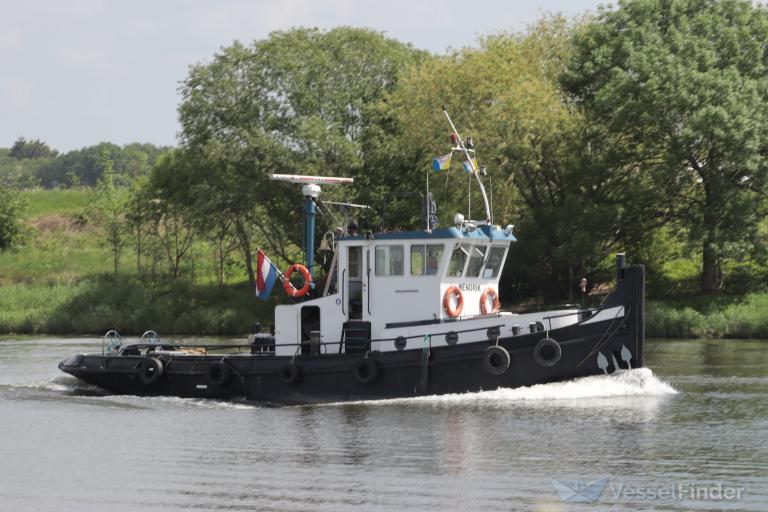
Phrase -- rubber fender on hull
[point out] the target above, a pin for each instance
(547, 352)
(366, 371)
(217, 374)
(150, 370)
(290, 374)
(496, 360)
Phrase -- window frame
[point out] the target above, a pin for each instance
(461, 247)
(358, 261)
(479, 275)
(425, 259)
(498, 269)
(388, 260)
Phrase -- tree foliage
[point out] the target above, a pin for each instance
(680, 90)
(108, 211)
(544, 177)
(297, 102)
(85, 167)
(11, 210)
(24, 149)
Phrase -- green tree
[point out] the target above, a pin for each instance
(19, 173)
(85, 166)
(12, 207)
(24, 149)
(296, 102)
(680, 88)
(108, 211)
(169, 209)
(543, 164)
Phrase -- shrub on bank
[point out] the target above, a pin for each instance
(745, 317)
(97, 304)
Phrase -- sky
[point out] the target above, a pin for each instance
(78, 72)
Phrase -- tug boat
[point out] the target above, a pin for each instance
(399, 314)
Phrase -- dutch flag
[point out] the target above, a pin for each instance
(266, 275)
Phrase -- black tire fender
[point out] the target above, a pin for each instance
(547, 352)
(150, 371)
(290, 374)
(496, 360)
(217, 374)
(366, 371)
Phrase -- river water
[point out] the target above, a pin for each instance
(688, 433)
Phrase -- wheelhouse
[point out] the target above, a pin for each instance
(386, 283)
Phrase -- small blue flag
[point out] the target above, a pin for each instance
(441, 163)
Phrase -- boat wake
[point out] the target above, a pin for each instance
(72, 387)
(637, 382)
(594, 390)
(199, 403)
(60, 384)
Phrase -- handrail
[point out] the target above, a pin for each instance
(322, 343)
(343, 286)
(578, 311)
(368, 280)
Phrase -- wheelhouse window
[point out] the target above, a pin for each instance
(390, 260)
(354, 256)
(459, 258)
(476, 258)
(494, 262)
(425, 259)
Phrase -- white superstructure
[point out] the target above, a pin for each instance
(397, 284)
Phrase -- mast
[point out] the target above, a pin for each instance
(464, 149)
(311, 191)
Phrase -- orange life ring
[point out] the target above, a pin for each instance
(451, 310)
(289, 288)
(489, 293)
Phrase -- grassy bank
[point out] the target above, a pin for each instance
(95, 304)
(696, 317)
(60, 281)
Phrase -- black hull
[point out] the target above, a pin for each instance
(378, 375)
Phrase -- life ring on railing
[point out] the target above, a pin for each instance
(453, 292)
(489, 302)
(289, 288)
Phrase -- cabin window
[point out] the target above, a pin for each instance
(425, 259)
(390, 260)
(494, 262)
(355, 257)
(458, 260)
(476, 257)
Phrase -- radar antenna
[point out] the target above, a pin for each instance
(311, 191)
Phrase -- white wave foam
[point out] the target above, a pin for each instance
(637, 382)
(59, 383)
(69, 384)
(202, 403)
(640, 382)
